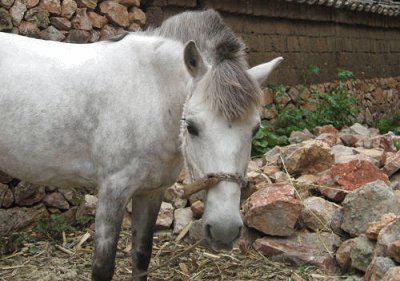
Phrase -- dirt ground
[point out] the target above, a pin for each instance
(69, 258)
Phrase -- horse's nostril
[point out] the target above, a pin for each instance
(208, 231)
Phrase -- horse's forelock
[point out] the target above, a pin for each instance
(230, 89)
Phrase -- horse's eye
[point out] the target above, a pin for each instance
(192, 129)
(255, 130)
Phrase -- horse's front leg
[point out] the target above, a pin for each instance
(113, 198)
(145, 208)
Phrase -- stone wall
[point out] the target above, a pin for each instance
(76, 21)
(375, 98)
(329, 36)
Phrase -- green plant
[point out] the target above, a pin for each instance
(266, 138)
(396, 144)
(84, 221)
(385, 125)
(303, 272)
(335, 106)
(311, 71)
(52, 226)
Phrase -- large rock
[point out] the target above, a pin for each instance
(81, 20)
(38, 15)
(376, 226)
(388, 235)
(5, 20)
(342, 153)
(27, 194)
(349, 176)
(16, 219)
(78, 36)
(29, 28)
(4, 178)
(309, 158)
(97, 20)
(377, 268)
(385, 142)
(393, 274)
(273, 210)
(360, 130)
(61, 23)
(90, 4)
(373, 153)
(17, 12)
(392, 165)
(6, 196)
(115, 12)
(68, 8)
(309, 248)
(56, 200)
(165, 216)
(52, 6)
(6, 3)
(137, 15)
(367, 204)
(30, 3)
(342, 256)
(52, 33)
(394, 251)
(317, 213)
(362, 253)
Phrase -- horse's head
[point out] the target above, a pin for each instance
(221, 116)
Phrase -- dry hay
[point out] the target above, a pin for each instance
(71, 257)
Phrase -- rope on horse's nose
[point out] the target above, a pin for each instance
(211, 180)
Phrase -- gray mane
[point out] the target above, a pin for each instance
(230, 89)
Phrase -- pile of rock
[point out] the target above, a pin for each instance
(77, 21)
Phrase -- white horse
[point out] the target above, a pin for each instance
(125, 115)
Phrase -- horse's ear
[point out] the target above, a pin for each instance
(261, 72)
(193, 60)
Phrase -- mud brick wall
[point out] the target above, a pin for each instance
(364, 42)
(76, 21)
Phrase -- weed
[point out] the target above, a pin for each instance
(52, 226)
(385, 125)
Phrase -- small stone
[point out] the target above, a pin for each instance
(196, 231)
(351, 140)
(108, 31)
(326, 129)
(52, 6)
(94, 36)
(300, 136)
(182, 217)
(361, 253)
(343, 254)
(340, 151)
(272, 156)
(310, 248)
(56, 200)
(273, 210)
(97, 20)
(78, 36)
(376, 226)
(5, 20)
(376, 154)
(115, 12)
(367, 204)
(165, 216)
(17, 12)
(81, 20)
(52, 33)
(393, 274)
(267, 97)
(60, 23)
(377, 268)
(394, 250)
(129, 3)
(71, 195)
(68, 8)
(87, 208)
(327, 138)
(197, 209)
(6, 196)
(317, 213)
(134, 27)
